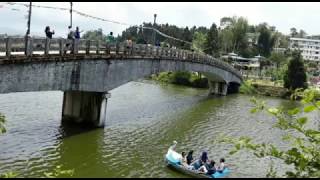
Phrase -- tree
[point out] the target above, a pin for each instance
(278, 59)
(295, 76)
(212, 41)
(198, 42)
(304, 151)
(95, 35)
(226, 21)
(226, 40)
(239, 29)
(302, 34)
(187, 36)
(283, 41)
(293, 32)
(265, 41)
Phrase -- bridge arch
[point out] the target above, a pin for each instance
(85, 78)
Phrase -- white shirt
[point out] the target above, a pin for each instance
(221, 166)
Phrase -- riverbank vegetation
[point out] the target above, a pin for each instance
(304, 139)
(191, 79)
(248, 88)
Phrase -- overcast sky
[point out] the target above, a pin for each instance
(283, 15)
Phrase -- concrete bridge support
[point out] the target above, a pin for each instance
(85, 107)
(218, 88)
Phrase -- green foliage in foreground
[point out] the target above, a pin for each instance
(247, 88)
(2, 121)
(9, 175)
(58, 172)
(304, 152)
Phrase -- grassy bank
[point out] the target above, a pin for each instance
(263, 87)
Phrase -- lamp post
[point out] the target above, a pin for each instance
(71, 14)
(28, 31)
(154, 26)
(29, 19)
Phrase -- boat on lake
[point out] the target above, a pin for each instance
(172, 160)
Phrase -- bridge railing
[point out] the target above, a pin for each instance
(20, 46)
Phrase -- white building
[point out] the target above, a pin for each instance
(310, 48)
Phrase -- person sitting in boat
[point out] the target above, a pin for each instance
(222, 165)
(203, 160)
(211, 169)
(183, 160)
(189, 157)
(208, 168)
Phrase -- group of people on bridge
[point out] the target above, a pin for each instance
(74, 35)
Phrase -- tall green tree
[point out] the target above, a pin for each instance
(295, 76)
(226, 40)
(225, 21)
(265, 41)
(293, 32)
(212, 41)
(198, 42)
(239, 30)
(95, 35)
(302, 34)
(278, 59)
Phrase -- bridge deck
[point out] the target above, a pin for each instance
(25, 50)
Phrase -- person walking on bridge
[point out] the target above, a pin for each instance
(48, 32)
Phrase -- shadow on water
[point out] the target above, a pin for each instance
(68, 129)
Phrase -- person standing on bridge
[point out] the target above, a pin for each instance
(129, 45)
(77, 37)
(110, 38)
(48, 32)
(77, 33)
(158, 43)
(70, 37)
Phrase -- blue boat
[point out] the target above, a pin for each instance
(172, 161)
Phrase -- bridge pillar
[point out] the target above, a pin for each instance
(85, 107)
(218, 88)
(223, 88)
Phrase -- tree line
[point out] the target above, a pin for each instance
(234, 34)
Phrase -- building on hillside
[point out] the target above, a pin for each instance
(279, 50)
(316, 37)
(241, 62)
(252, 39)
(310, 48)
(225, 24)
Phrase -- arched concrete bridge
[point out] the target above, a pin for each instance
(94, 68)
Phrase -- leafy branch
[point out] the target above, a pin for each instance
(304, 153)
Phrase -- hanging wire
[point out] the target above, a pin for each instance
(99, 18)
